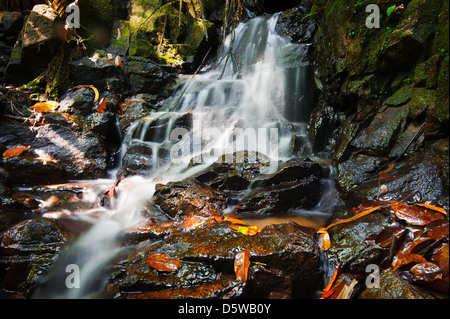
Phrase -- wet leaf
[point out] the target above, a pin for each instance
(112, 190)
(432, 207)
(324, 239)
(236, 221)
(364, 213)
(15, 151)
(162, 262)
(118, 61)
(327, 292)
(437, 229)
(426, 271)
(347, 290)
(101, 106)
(193, 222)
(385, 237)
(365, 206)
(402, 259)
(241, 265)
(387, 169)
(440, 255)
(246, 230)
(93, 88)
(413, 215)
(42, 107)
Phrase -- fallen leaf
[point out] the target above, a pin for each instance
(327, 292)
(93, 88)
(364, 213)
(118, 61)
(402, 259)
(324, 239)
(241, 265)
(413, 215)
(440, 255)
(246, 230)
(220, 219)
(383, 188)
(384, 238)
(387, 169)
(110, 192)
(432, 207)
(426, 271)
(162, 262)
(347, 290)
(42, 107)
(101, 106)
(15, 151)
(192, 222)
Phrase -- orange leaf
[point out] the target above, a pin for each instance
(118, 61)
(220, 219)
(324, 240)
(15, 151)
(364, 213)
(241, 265)
(192, 222)
(432, 207)
(413, 215)
(162, 262)
(326, 292)
(250, 230)
(387, 169)
(101, 106)
(42, 107)
(402, 259)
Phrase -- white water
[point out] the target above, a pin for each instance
(256, 85)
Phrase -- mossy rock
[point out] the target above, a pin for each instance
(421, 100)
(400, 97)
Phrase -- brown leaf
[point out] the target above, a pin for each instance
(236, 221)
(402, 259)
(118, 61)
(384, 238)
(387, 169)
(162, 262)
(440, 255)
(111, 191)
(426, 271)
(413, 215)
(241, 265)
(15, 151)
(437, 229)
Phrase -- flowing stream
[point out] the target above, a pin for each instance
(254, 97)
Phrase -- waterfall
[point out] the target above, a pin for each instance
(254, 97)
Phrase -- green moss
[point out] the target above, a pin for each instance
(421, 100)
(401, 96)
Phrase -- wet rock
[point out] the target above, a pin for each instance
(393, 286)
(77, 102)
(27, 251)
(349, 245)
(60, 150)
(292, 23)
(148, 77)
(295, 185)
(424, 171)
(288, 252)
(179, 199)
(382, 132)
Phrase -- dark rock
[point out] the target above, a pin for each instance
(77, 102)
(292, 23)
(349, 245)
(207, 254)
(12, 23)
(304, 193)
(27, 251)
(148, 77)
(179, 199)
(393, 286)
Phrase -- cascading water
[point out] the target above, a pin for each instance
(254, 98)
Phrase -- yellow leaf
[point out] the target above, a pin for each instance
(97, 95)
(42, 107)
(432, 207)
(250, 230)
(324, 241)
